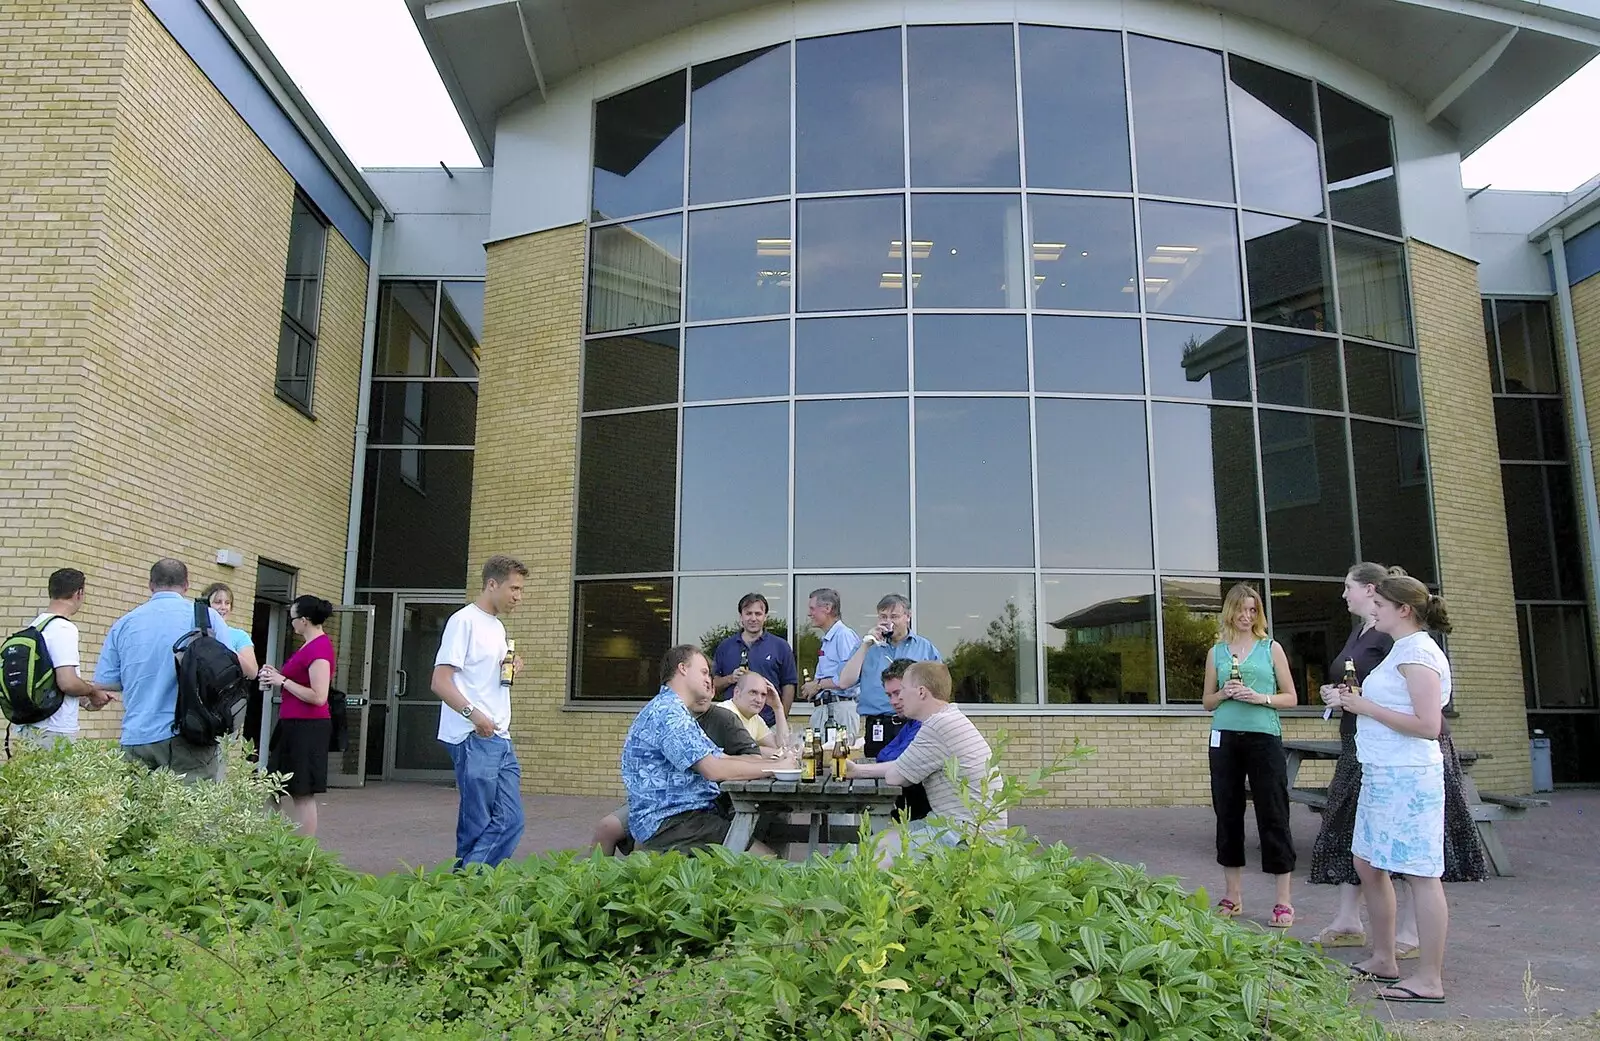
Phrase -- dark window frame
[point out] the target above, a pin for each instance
(291, 325)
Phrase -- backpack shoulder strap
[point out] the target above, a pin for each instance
(47, 621)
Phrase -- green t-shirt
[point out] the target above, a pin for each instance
(1258, 674)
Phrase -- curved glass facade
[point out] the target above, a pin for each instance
(1058, 331)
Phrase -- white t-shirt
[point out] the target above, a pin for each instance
(1379, 745)
(61, 640)
(475, 644)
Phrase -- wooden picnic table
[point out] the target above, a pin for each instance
(1486, 807)
(822, 801)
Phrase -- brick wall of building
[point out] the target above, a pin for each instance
(181, 447)
(1469, 515)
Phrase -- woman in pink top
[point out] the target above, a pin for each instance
(300, 741)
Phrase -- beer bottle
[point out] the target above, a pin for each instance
(744, 656)
(808, 765)
(508, 671)
(1233, 672)
(1350, 675)
(818, 763)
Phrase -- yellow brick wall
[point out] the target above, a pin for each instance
(182, 448)
(1469, 514)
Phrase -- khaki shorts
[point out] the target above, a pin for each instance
(191, 762)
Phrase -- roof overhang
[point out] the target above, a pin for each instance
(1471, 65)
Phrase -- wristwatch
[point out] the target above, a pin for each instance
(469, 710)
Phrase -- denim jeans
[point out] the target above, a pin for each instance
(489, 779)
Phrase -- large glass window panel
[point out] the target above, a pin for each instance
(974, 487)
(414, 532)
(1180, 120)
(852, 253)
(963, 92)
(1542, 528)
(638, 149)
(1360, 155)
(460, 330)
(735, 505)
(739, 127)
(1073, 354)
(302, 279)
(627, 487)
(848, 127)
(971, 352)
(1191, 260)
(1293, 369)
(1527, 347)
(852, 483)
(1191, 615)
(736, 361)
(418, 413)
(1374, 302)
(622, 632)
(966, 251)
(984, 627)
(850, 355)
(707, 609)
(1188, 360)
(1564, 671)
(1094, 484)
(858, 608)
(1305, 476)
(1531, 428)
(629, 371)
(1207, 513)
(1311, 622)
(1100, 640)
(1286, 262)
(1275, 138)
(1392, 497)
(405, 329)
(1382, 383)
(1075, 109)
(1496, 386)
(635, 271)
(1082, 253)
(740, 261)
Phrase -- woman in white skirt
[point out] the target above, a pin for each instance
(1400, 812)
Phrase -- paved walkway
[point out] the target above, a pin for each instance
(1543, 917)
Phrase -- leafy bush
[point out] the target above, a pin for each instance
(259, 934)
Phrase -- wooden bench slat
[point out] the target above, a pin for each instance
(1521, 802)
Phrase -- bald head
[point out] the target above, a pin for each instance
(750, 693)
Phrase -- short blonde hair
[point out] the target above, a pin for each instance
(1234, 602)
(934, 675)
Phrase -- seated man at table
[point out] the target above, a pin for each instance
(913, 801)
(945, 734)
(726, 731)
(671, 768)
(751, 695)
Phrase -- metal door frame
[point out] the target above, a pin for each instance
(391, 722)
(361, 700)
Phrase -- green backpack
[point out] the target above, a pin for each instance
(28, 692)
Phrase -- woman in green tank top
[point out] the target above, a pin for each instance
(1247, 682)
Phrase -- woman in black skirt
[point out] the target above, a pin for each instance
(300, 741)
(1330, 855)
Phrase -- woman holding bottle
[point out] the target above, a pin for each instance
(1400, 812)
(1247, 683)
(300, 741)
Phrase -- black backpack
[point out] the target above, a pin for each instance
(339, 716)
(28, 692)
(211, 683)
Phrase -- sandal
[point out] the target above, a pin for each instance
(1228, 909)
(1331, 938)
(1405, 995)
(1363, 976)
(1282, 916)
(1404, 951)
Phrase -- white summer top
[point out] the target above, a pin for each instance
(1378, 745)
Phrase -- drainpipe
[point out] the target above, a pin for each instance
(1580, 418)
(369, 348)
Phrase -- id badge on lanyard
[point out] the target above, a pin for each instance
(877, 731)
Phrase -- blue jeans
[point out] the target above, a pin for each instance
(489, 779)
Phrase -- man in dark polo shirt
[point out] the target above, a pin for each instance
(753, 649)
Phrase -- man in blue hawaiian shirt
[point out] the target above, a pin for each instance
(671, 768)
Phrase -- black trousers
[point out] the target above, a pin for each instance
(1237, 756)
(871, 744)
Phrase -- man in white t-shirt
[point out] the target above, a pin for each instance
(61, 640)
(472, 677)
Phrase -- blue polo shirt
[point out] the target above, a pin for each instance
(874, 702)
(137, 656)
(770, 656)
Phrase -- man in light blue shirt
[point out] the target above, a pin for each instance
(839, 644)
(891, 639)
(137, 659)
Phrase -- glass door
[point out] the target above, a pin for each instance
(412, 751)
(350, 629)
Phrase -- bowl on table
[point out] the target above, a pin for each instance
(785, 775)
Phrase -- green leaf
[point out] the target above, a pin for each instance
(1084, 989)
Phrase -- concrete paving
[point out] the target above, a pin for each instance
(1544, 917)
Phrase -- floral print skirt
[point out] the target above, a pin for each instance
(1400, 819)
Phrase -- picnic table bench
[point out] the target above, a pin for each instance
(1486, 807)
(822, 801)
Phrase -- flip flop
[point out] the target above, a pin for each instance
(1407, 996)
(1329, 938)
(1404, 951)
(1228, 909)
(1362, 976)
(1282, 917)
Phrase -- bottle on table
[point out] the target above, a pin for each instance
(808, 765)
(508, 669)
